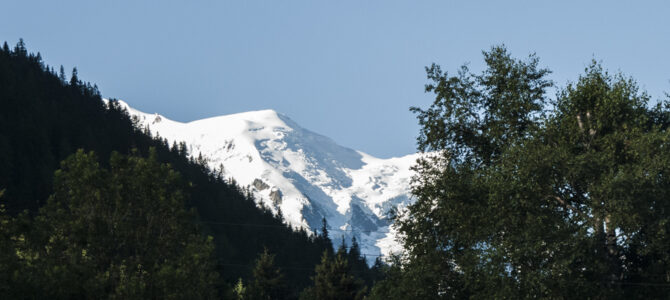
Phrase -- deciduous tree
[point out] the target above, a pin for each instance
(519, 196)
(120, 233)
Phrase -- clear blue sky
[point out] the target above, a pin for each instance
(346, 69)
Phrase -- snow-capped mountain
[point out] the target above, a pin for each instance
(306, 175)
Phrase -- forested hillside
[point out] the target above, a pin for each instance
(46, 117)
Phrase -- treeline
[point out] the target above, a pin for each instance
(46, 118)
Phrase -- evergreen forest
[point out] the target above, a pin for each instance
(94, 207)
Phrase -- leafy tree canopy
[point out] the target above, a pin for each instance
(118, 233)
(523, 196)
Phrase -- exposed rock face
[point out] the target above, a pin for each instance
(275, 196)
(363, 222)
(259, 184)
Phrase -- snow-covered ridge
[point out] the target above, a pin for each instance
(306, 175)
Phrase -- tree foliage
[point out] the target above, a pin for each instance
(521, 196)
(269, 282)
(121, 233)
(334, 280)
(8, 261)
(44, 118)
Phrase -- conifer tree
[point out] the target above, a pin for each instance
(354, 250)
(324, 228)
(334, 280)
(61, 75)
(324, 238)
(268, 282)
(239, 290)
(74, 79)
(358, 263)
(20, 49)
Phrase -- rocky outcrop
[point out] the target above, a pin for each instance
(259, 184)
(275, 196)
(365, 223)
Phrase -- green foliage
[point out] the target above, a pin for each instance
(334, 280)
(8, 257)
(239, 290)
(523, 197)
(268, 282)
(405, 281)
(44, 118)
(475, 117)
(121, 233)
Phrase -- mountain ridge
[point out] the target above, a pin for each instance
(304, 174)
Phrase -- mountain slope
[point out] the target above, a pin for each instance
(305, 175)
(44, 119)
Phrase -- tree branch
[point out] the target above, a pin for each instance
(568, 205)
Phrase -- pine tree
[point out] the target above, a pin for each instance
(268, 282)
(334, 280)
(74, 79)
(324, 228)
(20, 49)
(324, 238)
(342, 249)
(359, 263)
(61, 75)
(354, 250)
(239, 290)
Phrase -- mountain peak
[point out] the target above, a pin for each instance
(253, 119)
(256, 114)
(306, 175)
(268, 116)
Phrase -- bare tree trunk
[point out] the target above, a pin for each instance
(610, 253)
(612, 250)
(603, 249)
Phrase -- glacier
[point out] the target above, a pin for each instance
(304, 174)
